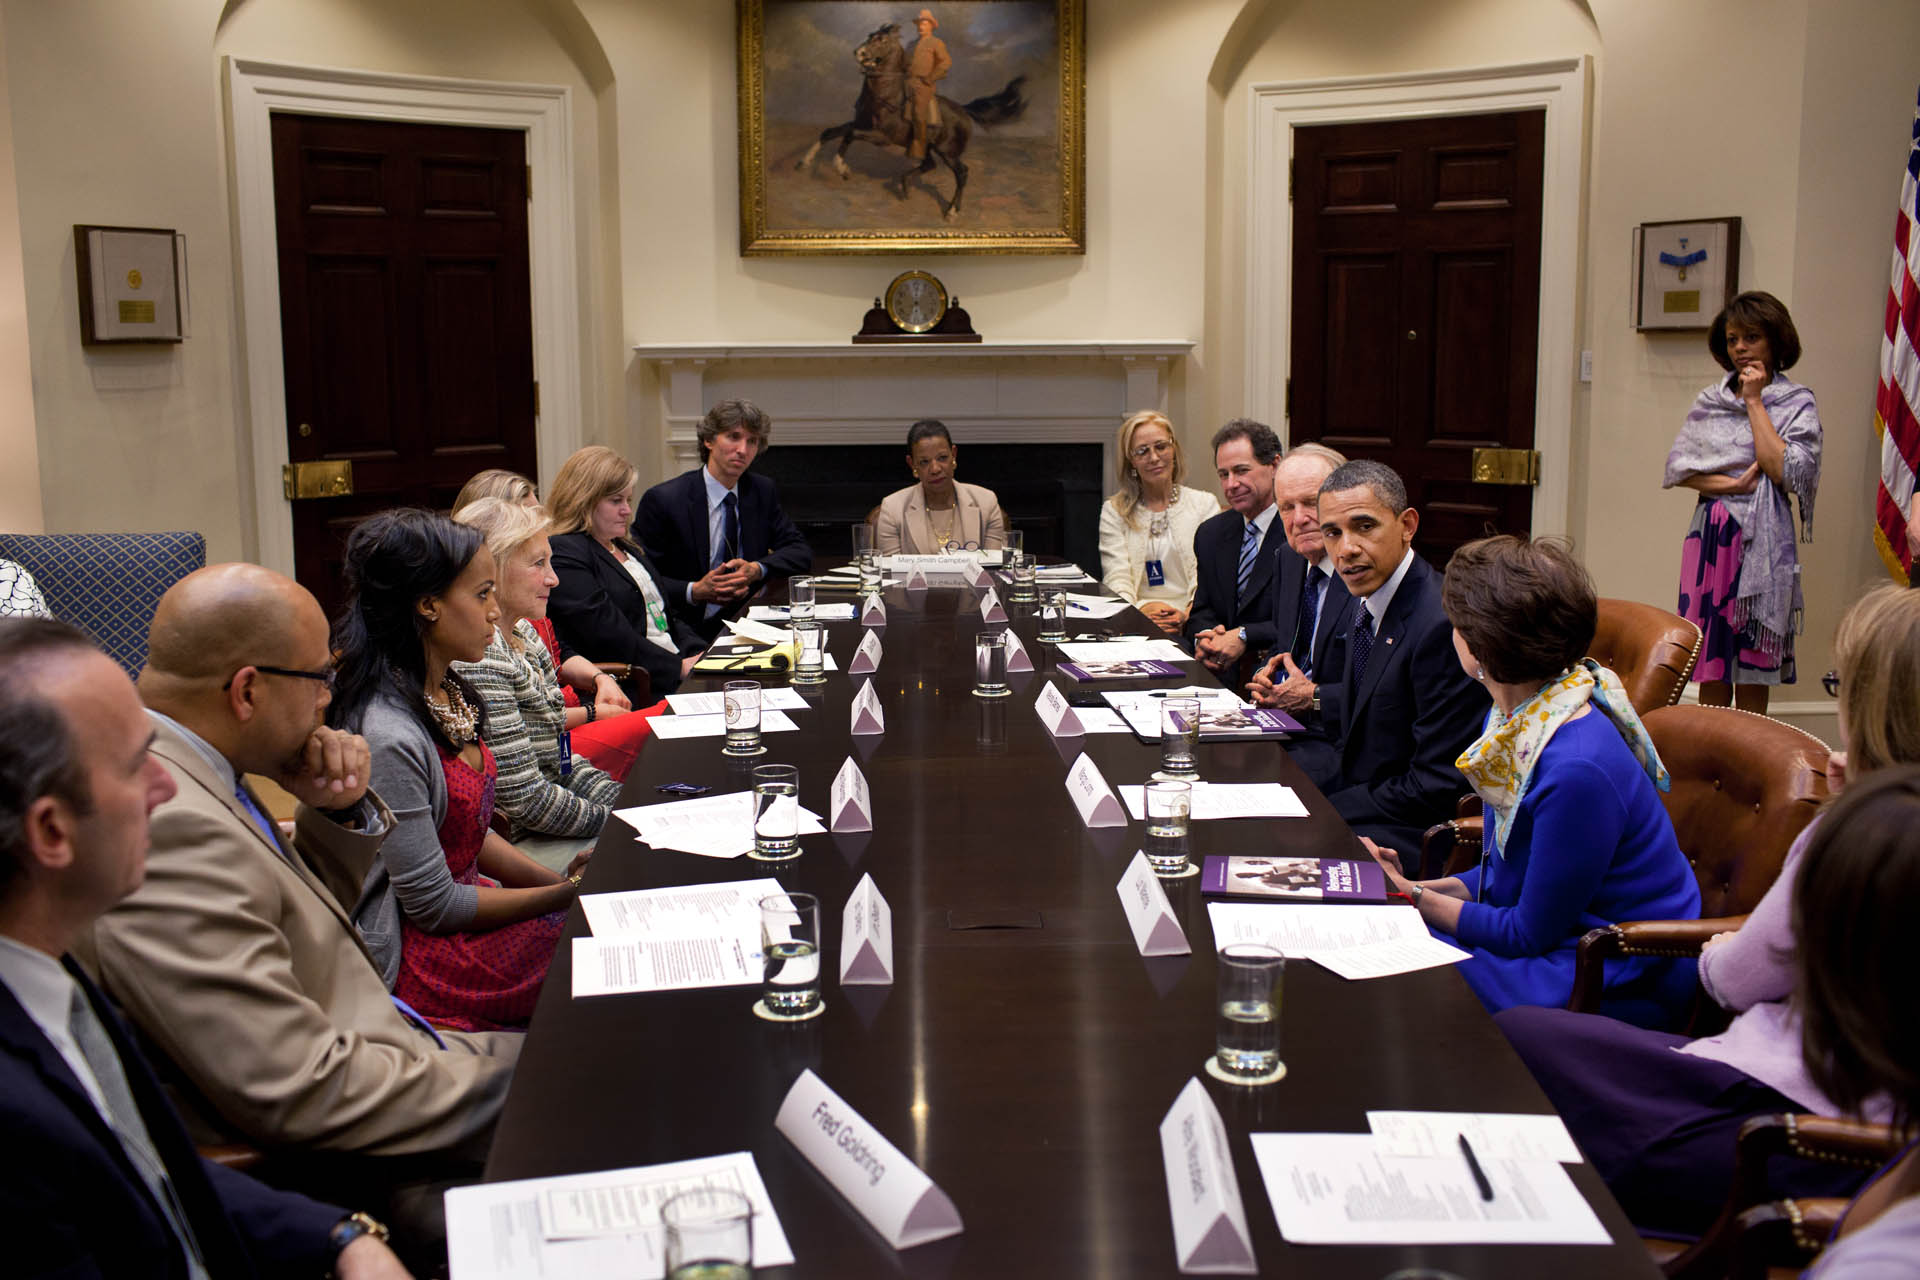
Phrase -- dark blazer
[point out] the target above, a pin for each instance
(672, 526)
(77, 1205)
(1216, 603)
(1406, 721)
(598, 610)
(1324, 653)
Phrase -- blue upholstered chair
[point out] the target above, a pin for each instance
(107, 583)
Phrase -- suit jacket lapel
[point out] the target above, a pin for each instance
(698, 527)
(1386, 640)
(917, 519)
(1289, 572)
(1335, 612)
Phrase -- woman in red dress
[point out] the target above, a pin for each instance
(462, 924)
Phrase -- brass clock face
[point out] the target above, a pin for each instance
(916, 301)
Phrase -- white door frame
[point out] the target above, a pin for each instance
(1275, 110)
(255, 90)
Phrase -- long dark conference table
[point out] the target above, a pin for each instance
(1025, 1053)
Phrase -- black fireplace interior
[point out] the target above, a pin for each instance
(1052, 492)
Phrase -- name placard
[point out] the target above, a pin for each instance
(1209, 1221)
(867, 716)
(873, 613)
(1051, 706)
(978, 576)
(990, 610)
(1018, 659)
(888, 1190)
(866, 659)
(916, 578)
(866, 938)
(1098, 806)
(1156, 931)
(850, 805)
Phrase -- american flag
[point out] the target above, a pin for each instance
(1896, 412)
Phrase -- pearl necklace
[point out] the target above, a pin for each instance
(458, 720)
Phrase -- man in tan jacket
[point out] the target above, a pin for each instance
(237, 957)
(927, 63)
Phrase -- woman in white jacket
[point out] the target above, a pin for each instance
(1146, 529)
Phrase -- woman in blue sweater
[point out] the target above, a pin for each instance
(1576, 836)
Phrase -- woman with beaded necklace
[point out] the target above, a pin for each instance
(460, 923)
(1146, 529)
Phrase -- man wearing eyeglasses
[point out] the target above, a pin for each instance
(237, 957)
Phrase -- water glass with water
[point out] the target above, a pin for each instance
(1179, 737)
(742, 703)
(864, 558)
(990, 665)
(1053, 616)
(1247, 1037)
(790, 944)
(709, 1234)
(799, 599)
(776, 812)
(810, 652)
(1169, 804)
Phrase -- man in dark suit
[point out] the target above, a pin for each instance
(716, 533)
(1404, 707)
(1311, 611)
(100, 1177)
(1232, 611)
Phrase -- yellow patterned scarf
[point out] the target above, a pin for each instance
(1500, 762)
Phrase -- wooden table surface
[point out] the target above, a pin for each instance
(1025, 1053)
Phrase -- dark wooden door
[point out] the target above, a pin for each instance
(1416, 300)
(406, 316)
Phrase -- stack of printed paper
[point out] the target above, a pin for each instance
(711, 826)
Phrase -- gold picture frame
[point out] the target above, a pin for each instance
(826, 120)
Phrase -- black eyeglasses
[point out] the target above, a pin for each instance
(325, 677)
(1831, 683)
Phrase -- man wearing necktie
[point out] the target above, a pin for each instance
(717, 533)
(100, 1176)
(1232, 611)
(1404, 709)
(237, 956)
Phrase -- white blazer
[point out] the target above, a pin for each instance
(903, 527)
(1123, 549)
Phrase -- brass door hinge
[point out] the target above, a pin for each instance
(325, 479)
(1506, 466)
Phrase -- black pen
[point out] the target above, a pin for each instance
(1473, 1167)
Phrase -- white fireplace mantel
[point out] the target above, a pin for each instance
(1068, 391)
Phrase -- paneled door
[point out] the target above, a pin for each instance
(1416, 301)
(406, 319)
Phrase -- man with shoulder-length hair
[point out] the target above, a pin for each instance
(1403, 710)
(100, 1177)
(716, 533)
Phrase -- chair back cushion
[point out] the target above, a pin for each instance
(107, 584)
(1651, 650)
(1744, 787)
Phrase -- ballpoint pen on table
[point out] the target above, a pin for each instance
(1075, 604)
(1473, 1167)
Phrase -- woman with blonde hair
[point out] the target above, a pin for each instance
(1146, 528)
(496, 482)
(544, 787)
(1658, 1114)
(610, 603)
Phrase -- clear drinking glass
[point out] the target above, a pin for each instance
(810, 650)
(990, 665)
(1169, 806)
(1247, 1037)
(864, 558)
(1179, 736)
(790, 943)
(1016, 547)
(742, 702)
(709, 1234)
(799, 599)
(1053, 616)
(776, 812)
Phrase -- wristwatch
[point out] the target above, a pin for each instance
(1314, 706)
(1414, 893)
(1243, 635)
(351, 1228)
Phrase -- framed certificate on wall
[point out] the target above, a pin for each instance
(132, 284)
(1684, 272)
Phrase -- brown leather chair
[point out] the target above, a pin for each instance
(1650, 649)
(1744, 787)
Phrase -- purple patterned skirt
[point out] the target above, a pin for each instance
(1709, 580)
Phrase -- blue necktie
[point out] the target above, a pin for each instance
(260, 819)
(729, 530)
(1309, 619)
(1248, 546)
(1362, 643)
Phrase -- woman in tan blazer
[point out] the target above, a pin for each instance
(939, 513)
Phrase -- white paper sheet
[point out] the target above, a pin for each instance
(712, 826)
(1221, 800)
(1354, 941)
(1384, 959)
(1494, 1135)
(724, 908)
(624, 966)
(1100, 720)
(1137, 649)
(757, 632)
(712, 726)
(499, 1230)
(1094, 607)
(777, 698)
(1061, 573)
(1337, 1188)
(845, 612)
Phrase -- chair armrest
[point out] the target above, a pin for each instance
(634, 680)
(1449, 848)
(1637, 938)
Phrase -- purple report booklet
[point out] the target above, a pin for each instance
(1278, 879)
(1141, 669)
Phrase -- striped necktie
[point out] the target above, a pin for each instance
(1362, 642)
(1309, 619)
(1249, 545)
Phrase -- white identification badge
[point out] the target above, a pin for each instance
(866, 659)
(888, 1190)
(1155, 930)
(1209, 1221)
(1098, 806)
(1051, 706)
(867, 716)
(866, 938)
(850, 806)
